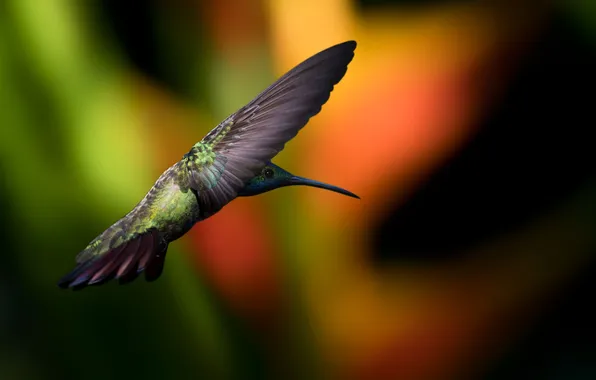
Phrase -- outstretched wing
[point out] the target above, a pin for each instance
(238, 148)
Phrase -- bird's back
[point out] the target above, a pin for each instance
(169, 207)
(139, 240)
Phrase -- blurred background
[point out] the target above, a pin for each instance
(463, 126)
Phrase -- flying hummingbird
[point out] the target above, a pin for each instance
(233, 159)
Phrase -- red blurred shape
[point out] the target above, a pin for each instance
(234, 252)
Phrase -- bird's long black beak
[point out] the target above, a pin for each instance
(300, 181)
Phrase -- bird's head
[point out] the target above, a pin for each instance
(273, 177)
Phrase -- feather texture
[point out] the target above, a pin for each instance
(123, 262)
(238, 148)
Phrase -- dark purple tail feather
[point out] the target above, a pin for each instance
(156, 264)
(146, 252)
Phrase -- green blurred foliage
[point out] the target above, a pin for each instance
(65, 105)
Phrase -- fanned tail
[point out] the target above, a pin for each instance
(142, 252)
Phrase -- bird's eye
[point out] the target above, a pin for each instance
(268, 173)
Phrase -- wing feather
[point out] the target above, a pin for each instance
(239, 147)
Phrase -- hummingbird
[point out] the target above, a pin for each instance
(233, 159)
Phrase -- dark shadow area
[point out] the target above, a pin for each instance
(156, 45)
(136, 34)
(560, 345)
(533, 150)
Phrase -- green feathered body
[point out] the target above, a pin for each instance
(170, 208)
